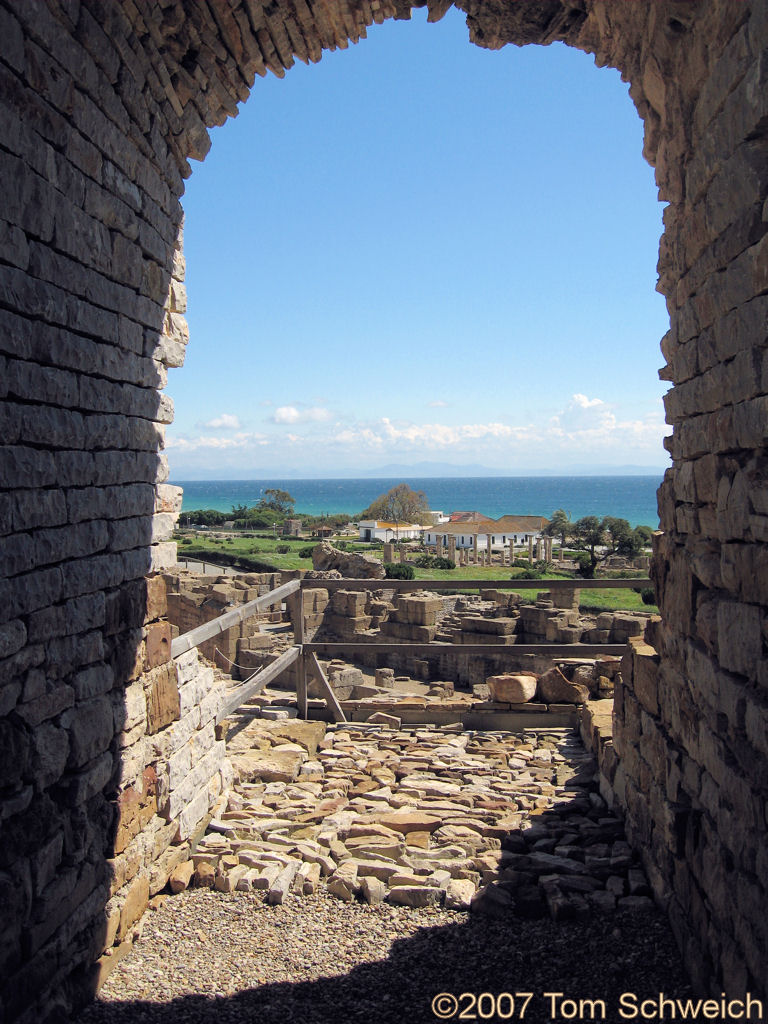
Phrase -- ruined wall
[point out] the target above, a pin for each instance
(101, 105)
(194, 599)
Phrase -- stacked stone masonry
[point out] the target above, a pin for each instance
(101, 107)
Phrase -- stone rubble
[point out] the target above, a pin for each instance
(491, 821)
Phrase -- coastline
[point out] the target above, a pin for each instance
(627, 497)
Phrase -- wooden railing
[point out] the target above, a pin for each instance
(304, 653)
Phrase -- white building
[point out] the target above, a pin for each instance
(376, 529)
(500, 533)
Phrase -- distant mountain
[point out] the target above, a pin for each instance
(421, 469)
(447, 469)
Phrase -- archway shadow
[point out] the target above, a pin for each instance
(600, 959)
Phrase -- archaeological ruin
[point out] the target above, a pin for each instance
(111, 756)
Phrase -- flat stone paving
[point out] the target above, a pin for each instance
(506, 822)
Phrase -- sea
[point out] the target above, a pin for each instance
(626, 497)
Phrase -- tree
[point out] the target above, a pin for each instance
(611, 535)
(588, 535)
(399, 505)
(560, 525)
(277, 500)
(617, 535)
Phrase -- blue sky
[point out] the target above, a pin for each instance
(421, 250)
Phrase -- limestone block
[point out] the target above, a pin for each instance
(91, 727)
(268, 767)
(406, 821)
(281, 886)
(554, 688)
(136, 806)
(162, 697)
(132, 706)
(414, 895)
(740, 640)
(191, 694)
(48, 755)
(192, 813)
(187, 666)
(200, 775)
(382, 718)
(163, 555)
(494, 627)
(422, 610)
(459, 894)
(168, 498)
(158, 644)
(163, 525)
(514, 689)
(135, 903)
(181, 876)
(373, 889)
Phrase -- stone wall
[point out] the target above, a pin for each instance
(101, 106)
(194, 599)
(174, 769)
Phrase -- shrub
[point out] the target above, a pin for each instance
(393, 571)
(528, 574)
(433, 562)
(283, 549)
(647, 595)
(306, 552)
(186, 540)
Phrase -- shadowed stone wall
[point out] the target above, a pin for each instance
(101, 105)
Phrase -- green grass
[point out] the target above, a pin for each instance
(258, 548)
(262, 549)
(596, 601)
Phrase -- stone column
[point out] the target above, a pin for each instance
(474, 547)
(530, 550)
(452, 547)
(388, 552)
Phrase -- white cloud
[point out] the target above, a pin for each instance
(224, 422)
(591, 424)
(427, 435)
(194, 444)
(292, 414)
(438, 404)
(586, 403)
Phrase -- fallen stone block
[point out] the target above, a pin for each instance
(382, 718)
(512, 688)
(459, 893)
(373, 889)
(282, 884)
(554, 688)
(492, 901)
(181, 876)
(414, 895)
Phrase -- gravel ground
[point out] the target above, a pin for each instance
(210, 958)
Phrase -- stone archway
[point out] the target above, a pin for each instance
(102, 106)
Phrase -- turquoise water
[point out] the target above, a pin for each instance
(628, 497)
